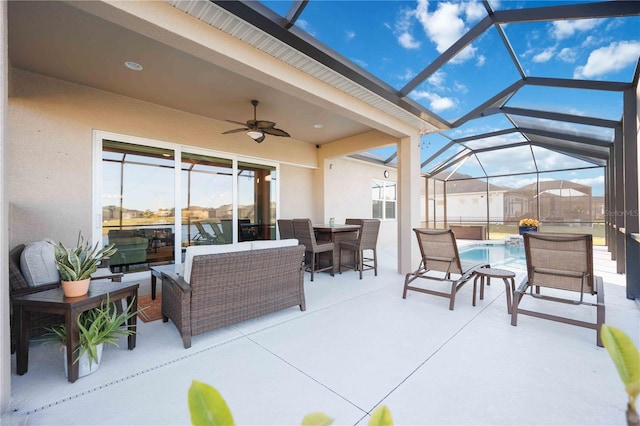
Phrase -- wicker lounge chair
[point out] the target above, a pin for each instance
(561, 263)
(440, 262)
(303, 230)
(367, 240)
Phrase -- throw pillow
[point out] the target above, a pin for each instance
(37, 263)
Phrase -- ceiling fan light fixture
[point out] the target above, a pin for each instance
(254, 134)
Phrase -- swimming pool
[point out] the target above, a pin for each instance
(495, 254)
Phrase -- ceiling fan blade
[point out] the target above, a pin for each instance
(276, 132)
(238, 122)
(264, 124)
(236, 131)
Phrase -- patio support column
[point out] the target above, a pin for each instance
(619, 208)
(608, 197)
(409, 182)
(5, 343)
(630, 137)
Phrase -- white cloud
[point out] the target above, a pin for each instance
(438, 79)
(480, 61)
(545, 55)
(436, 102)
(407, 41)
(408, 75)
(402, 30)
(360, 62)
(589, 41)
(460, 87)
(592, 181)
(444, 26)
(474, 11)
(564, 29)
(608, 59)
(349, 35)
(568, 55)
(304, 24)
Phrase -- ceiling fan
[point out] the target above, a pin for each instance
(257, 129)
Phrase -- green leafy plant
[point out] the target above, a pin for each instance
(98, 325)
(626, 358)
(79, 263)
(208, 408)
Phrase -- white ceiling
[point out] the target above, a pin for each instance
(61, 41)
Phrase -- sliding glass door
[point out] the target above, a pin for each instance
(221, 201)
(138, 211)
(207, 200)
(256, 202)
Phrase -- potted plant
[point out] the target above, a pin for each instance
(76, 265)
(528, 225)
(97, 326)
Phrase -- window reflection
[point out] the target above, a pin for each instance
(137, 205)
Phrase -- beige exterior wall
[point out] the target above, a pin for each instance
(50, 160)
(348, 194)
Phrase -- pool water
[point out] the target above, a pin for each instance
(495, 254)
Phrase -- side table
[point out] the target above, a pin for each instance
(156, 272)
(507, 276)
(54, 301)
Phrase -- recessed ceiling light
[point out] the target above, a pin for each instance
(318, 126)
(133, 66)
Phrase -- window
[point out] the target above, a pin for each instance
(157, 198)
(383, 196)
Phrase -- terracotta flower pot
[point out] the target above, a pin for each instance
(75, 288)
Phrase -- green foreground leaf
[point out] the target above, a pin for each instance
(381, 417)
(626, 358)
(316, 419)
(207, 406)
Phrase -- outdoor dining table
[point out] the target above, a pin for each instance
(335, 234)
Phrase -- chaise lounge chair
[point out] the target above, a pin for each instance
(440, 262)
(560, 263)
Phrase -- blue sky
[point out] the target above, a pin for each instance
(395, 40)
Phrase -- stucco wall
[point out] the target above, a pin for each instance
(348, 194)
(49, 152)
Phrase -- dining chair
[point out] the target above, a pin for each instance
(303, 230)
(367, 240)
(285, 227)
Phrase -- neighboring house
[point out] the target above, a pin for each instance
(561, 201)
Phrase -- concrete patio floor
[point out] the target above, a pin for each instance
(358, 345)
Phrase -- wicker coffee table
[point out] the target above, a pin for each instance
(507, 276)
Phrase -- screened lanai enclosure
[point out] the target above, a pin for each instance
(544, 140)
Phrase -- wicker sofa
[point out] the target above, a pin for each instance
(226, 284)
